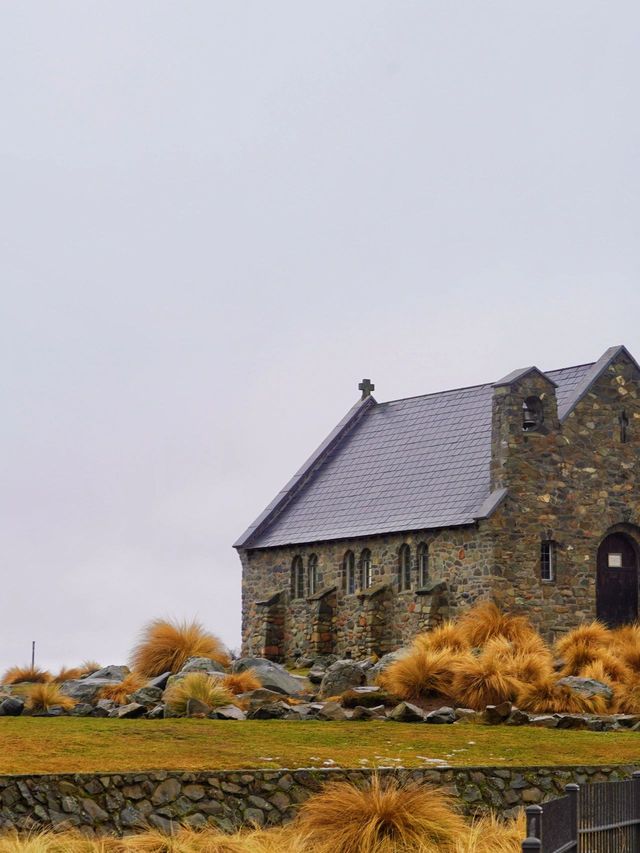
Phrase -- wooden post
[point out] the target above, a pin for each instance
(33, 654)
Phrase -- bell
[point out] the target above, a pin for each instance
(529, 418)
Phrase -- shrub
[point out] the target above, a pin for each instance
(420, 673)
(20, 674)
(590, 637)
(626, 698)
(200, 686)
(121, 692)
(68, 673)
(483, 681)
(523, 665)
(241, 682)
(606, 668)
(546, 696)
(88, 667)
(384, 816)
(445, 637)
(485, 621)
(491, 834)
(46, 695)
(166, 645)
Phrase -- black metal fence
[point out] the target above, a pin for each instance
(600, 818)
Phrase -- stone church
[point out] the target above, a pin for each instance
(524, 491)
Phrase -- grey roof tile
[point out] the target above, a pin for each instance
(411, 464)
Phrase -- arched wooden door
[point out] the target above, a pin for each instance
(617, 582)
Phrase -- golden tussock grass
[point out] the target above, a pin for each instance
(483, 681)
(626, 698)
(421, 672)
(546, 696)
(383, 817)
(121, 692)
(30, 674)
(526, 665)
(445, 636)
(592, 635)
(201, 687)
(491, 834)
(485, 621)
(42, 697)
(241, 682)
(68, 673)
(166, 645)
(608, 669)
(89, 666)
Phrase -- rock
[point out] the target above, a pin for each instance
(196, 708)
(368, 696)
(261, 696)
(228, 712)
(340, 677)
(130, 711)
(324, 661)
(106, 704)
(166, 792)
(332, 711)
(587, 687)
(93, 811)
(442, 715)
(362, 713)
(202, 665)
(544, 721)
(12, 706)
(86, 689)
(379, 667)
(518, 718)
(467, 714)
(572, 721)
(156, 713)
(82, 709)
(304, 663)
(271, 675)
(316, 675)
(274, 711)
(405, 712)
(132, 819)
(496, 714)
(111, 673)
(99, 712)
(160, 680)
(147, 695)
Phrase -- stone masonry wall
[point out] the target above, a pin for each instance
(571, 484)
(122, 803)
(461, 557)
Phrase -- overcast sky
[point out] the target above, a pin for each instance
(217, 217)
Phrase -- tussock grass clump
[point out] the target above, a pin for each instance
(546, 696)
(483, 681)
(626, 698)
(607, 669)
(241, 682)
(166, 645)
(68, 673)
(421, 673)
(199, 686)
(485, 621)
(26, 674)
(445, 637)
(88, 667)
(526, 665)
(491, 834)
(47, 695)
(384, 817)
(121, 692)
(582, 646)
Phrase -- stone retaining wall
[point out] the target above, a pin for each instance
(130, 802)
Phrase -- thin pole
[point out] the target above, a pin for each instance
(33, 654)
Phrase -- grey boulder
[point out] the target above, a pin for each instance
(228, 712)
(202, 665)
(12, 706)
(444, 715)
(111, 672)
(86, 689)
(271, 675)
(405, 712)
(340, 677)
(587, 687)
(147, 695)
(374, 672)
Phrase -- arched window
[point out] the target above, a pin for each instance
(423, 564)
(349, 572)
(312, 574)
(365, 569)
(297, 578)
(532, 414)
(404, 567)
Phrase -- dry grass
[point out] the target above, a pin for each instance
(491, 834)
(201, 687)
(68, 673)
(607, 669)
(384, 817)
(483, 681)
(121, 692)
(485, 621)
(527, 665)
(546, 696)
(44, 696)
(241, 682)
(626, 698)
(582, 645)
(166, 645)
(422, 673)
(445, 637)
(90, 666)
(26, 674)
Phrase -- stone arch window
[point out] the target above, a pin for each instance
(422, 556)
(312, 574)
(532, 414)
(365, 569)
(404, 567)
(297, 577)
(349, 572)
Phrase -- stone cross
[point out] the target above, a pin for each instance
(366, 386)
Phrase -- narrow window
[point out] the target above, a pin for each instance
(365, 569)
(532, 414)
(297, 578)
(547, 561)
(312, 574)
(624, 427)
(349, 572)
(423, 564)
(404, 567)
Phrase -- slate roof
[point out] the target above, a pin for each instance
(411, 464)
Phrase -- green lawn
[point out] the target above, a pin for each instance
(69, 745)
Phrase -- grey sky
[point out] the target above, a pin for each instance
(215, 218)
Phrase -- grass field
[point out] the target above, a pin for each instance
(68, 745)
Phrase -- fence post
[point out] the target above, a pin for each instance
(534, 822)
(573, 791)
(635, 777)
(532, 845)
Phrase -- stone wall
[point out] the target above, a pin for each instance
(129, 802)
(360, 624)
